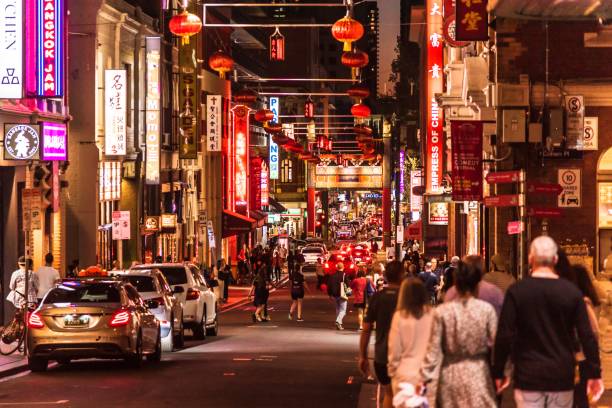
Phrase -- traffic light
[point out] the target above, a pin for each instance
(43, 181)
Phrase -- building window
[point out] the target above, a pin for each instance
(286, 171)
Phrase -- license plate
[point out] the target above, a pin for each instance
(76, 321)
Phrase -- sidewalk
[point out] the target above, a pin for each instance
(13, 364)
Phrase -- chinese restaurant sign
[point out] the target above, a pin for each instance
(472, 20)
(153, 100)
(241, 153)
(50, 48)
(21, 141)
(54, 141)
(213, 123)
(188, 97)
(11, 52)
(466, 139)
(115, 112)
(434, 84)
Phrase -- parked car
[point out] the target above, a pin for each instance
(361, 255)
(329, 267)
(369, 241)
(93, 318)
(345, 231)
(152, 285)
(198, 299)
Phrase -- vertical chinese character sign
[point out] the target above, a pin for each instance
(188, 97)
(115, 86)
(466, 136)
(434, 74)
(153, 105)
(213, 123)
(472, 20)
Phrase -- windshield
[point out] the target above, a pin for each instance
(77, 292)
(316, 250)
(175, 275)
(141, 283)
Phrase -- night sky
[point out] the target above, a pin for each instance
(389, 30)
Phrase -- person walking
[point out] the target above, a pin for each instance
(336, 289)
(498, 275)
(358, 287)
(408, 338)
(431, 282)
(449, 275)
(17, 284)
(380, 312)
(461, 337)
(298, 283)
(277, 262)
(260, 289)
(539, 321)
(47, 277)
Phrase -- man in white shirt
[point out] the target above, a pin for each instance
(47, 276)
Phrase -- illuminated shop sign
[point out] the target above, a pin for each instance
(274, 107)
(21, 142)
(438, 213)
(213, 123)
(11, 52)
(115, 112)
(434, 74)
(54, 141)
(152, 110)
(241, 152)
(188, 105)
(109, 176)
(50, 48)
(265, 192)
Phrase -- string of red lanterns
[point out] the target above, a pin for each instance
(347, 30)
(221, 63)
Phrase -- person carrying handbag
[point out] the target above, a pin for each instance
(338, 290)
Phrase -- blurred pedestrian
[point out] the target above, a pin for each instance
(409, 334)
(380, 312)
(431, 282)
(499, 275)
(538, 325)
(336, 289)
(17, 284)
(260, 289)
(448, 276)
(298, 283)
(47, 276)
(277, 262)
(458, 353)
(358, 287)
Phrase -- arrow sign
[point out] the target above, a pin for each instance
(507, 200)
(544, 188)
(544, 212)
(503, 177)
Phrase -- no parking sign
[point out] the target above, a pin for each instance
(591, 132)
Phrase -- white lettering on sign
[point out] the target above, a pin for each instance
(11, 49)
(569, 180)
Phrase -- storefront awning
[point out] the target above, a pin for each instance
(275, 206)
(260, 217)
(235, 224)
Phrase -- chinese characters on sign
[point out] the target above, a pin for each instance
(213, 123)
(277, 46)
(54, 141)
(153, 45)
(115, 112)
(50, 48)
(121, 225)
(241, 153)
(434, 85)
(265, 181)
(466, 160)
(21, 142)
(274, 157)
(472, 20)
(188, 97)
(11, 52)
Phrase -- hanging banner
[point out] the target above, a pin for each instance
(255, 184)
(213, 123)
(50, 48)
(240, 114)
(115, 112)
(472, 20)
(188, 97)
(11, 52)
(265, 181)
(574, 121)
(466, 139)
(153, 101)
(416, 180)
(434, 84)
(273, 154)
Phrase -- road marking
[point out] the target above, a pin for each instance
(263, 325)
(268, 356)
(264, 359)
(229, 374)
(59, 402)
(242, 359)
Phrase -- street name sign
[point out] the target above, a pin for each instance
(544, 188)
(501, 177)
(505, 200)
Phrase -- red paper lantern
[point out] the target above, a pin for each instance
(359, 110)
(364, 139)
(264, 115)
(330, 145)
(358, 91)
(277, 46)
(273, 127)
(347, 30)
(363, 130)
(309, 109)
(245, 96)
(185, 25)
(221, 62)
(355, 59)
(280, 139)
(322, 141)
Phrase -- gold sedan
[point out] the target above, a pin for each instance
(92, 318)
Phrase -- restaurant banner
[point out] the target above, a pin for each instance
(466, 138)
(472, 20)
(188, 100)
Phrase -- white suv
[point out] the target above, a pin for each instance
(198, 300)
(153, 286)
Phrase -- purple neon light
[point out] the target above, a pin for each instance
(54, 141)
(58, 60)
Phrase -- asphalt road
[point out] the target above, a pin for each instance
(281, 363)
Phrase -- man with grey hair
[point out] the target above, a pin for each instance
(537, 327)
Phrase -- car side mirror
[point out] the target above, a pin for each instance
(178, 289)
(152, 304)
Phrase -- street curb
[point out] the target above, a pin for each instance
(16, 368)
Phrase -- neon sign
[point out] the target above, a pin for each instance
(11, 52)
(241, 151)
(153, 102)
(265, 192)
(50, 48)
(274, 158)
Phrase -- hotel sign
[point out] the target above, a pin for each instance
(11, 49)
(153, 45)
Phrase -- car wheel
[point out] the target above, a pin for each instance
(37, 364)
(214, 330)
(135, 360)
(156, 356)
(179, 339)
(199, 330)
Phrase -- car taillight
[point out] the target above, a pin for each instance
(193, 294)
(368, 258)
(326, 265)
(120, 318)
(34, 321)
(352, 266)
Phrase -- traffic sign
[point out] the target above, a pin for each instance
(503, 177)
(505, 200)
(570, 182)
(515, 227)
(544, 188)
(544, 212)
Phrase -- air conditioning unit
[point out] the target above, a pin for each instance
(510, 95)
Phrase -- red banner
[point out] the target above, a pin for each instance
(472, 20)
(255, 181)
(466, 138)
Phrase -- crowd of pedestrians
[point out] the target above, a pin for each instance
(453, 336)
